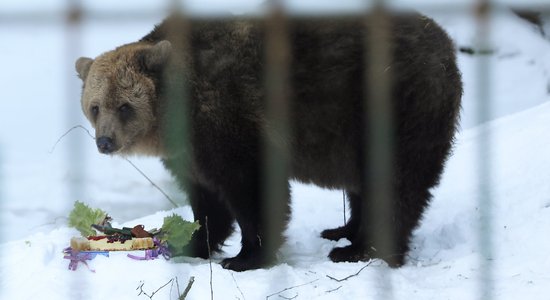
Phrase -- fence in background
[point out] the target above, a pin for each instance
(277, 64)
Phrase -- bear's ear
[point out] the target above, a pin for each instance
(82, 66)
(157, 56)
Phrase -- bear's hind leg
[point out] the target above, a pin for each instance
(349, 230)
(387, 239)
(353, 231)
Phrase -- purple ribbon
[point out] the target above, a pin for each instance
(76, 257)
(161, 249)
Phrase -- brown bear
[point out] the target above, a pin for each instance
(220, 69)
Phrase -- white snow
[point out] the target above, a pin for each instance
(40, 101)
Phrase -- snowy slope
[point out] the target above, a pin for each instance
(38, 188)
(443, 265)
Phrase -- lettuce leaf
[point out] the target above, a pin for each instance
(177, 233)
(82, 217)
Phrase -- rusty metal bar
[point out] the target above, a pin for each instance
(276, 147)
(380, 136)
(177, 121)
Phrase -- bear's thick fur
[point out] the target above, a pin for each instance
(125, 97)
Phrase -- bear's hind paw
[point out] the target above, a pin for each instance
(355, 253)
(349, 254)
(336, 234)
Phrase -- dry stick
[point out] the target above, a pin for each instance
(209, 256)
(140, 287)
(129, 161)
(334, 290)
(54, 222)
(171, 280)
(290, 288)
(177, 287)
(236, 284)
(151, 181)
(187, 289)
(350, 276)
(69, 131)
(289, 298)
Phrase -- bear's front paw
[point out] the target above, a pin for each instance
(240, 263)
(196, 248)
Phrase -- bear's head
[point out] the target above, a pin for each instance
(120, 97)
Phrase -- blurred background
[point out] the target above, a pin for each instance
(43, 171)
(40, 93)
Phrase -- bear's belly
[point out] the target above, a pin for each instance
(331, 164)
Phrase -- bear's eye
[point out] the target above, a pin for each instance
(125, 111)
(95, 111)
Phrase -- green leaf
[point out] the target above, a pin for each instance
(82, 217)
(177, 233)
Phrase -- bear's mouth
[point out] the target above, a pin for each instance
(126, 148)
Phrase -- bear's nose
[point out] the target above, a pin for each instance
(105, 144)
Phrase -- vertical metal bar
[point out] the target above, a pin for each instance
(2, 228)
(177, 121)
(483, 11)
(73, 43)
(379, 121)
(177, 117)
(276, 149)
(75, 158)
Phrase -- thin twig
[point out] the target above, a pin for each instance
(187, 289)
(289, 298)
(129, 161)
(140, 288)
(290, 288)
(67, 132)
(151, 181)
(209, 257)
(172, 286)
(333, 290)
(353, 275)
(171, 280)
(141, 291)
(54, 222)
(236, 284)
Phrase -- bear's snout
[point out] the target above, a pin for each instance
(105, 145)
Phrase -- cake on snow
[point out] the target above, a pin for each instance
(111, 243)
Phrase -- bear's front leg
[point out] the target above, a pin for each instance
(261, 227)
(208, 208)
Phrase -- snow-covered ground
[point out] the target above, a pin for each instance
(40, 101)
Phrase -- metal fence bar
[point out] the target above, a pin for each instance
(2, 203)
(276, 155)
(483, 14)
(379, 116)
(41, 17)
(380, 138)
(74, 156)
(73, 47)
